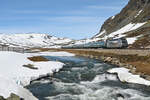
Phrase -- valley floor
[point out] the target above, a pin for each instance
(19, 69)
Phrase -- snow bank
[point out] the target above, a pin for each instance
(22, 75)
(11, 66)
(8, 86)
(125, 76)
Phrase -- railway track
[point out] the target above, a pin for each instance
(148, 49)
(140, 52)
(113, 49)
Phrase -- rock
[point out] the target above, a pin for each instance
(139, 73)
(96, 57)
(120, 96)
(122, 65)
(130, 66)
(147, 77)
(91, 56)
(2, 98)
(102, 57)
(115, 61)
(126, 66)
(14, 97)
(133, 71)
(108, 59)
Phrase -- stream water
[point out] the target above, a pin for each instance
(86, 79)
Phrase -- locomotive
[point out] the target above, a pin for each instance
(116, 43)
(109, 43)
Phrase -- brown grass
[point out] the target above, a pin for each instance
(37, 59)
(143, 41)
(143, 67)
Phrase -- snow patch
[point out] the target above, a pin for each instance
(112, 17)
(138, 13)
(125, 76)
(131, 40)
(8, 86)
(18, 76)
(127, 28)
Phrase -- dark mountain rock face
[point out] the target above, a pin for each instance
(128, 15)
(136, 11)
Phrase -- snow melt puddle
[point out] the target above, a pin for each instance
(86, 79)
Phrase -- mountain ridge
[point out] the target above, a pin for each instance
(32, 40)
(134, 20)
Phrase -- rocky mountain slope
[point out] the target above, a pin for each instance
(133, 22)
(32, 40)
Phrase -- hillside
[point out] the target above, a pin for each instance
(33, 40)
(133, 22)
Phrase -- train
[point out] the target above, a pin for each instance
(109, 44)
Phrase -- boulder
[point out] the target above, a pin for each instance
(108, 59)
(2, 98)
(14, 97)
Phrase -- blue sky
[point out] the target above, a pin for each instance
(62, 18)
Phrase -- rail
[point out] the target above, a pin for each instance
(140, 52)
(14, 49)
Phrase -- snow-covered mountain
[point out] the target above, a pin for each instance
(33, 40)
(133, 22)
